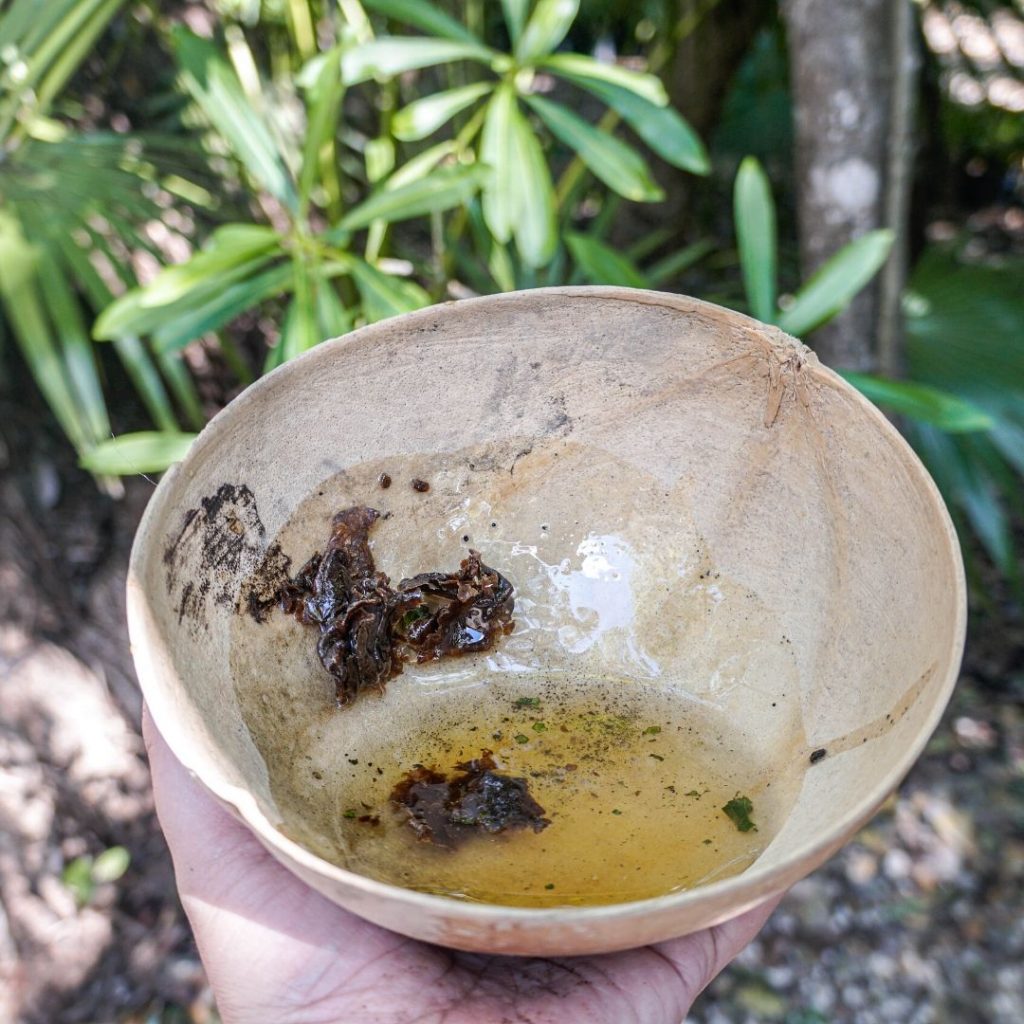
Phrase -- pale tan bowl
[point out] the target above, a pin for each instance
(705, 441)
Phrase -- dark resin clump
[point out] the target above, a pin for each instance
(446, 811)
(369, 629)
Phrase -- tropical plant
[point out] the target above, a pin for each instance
(827, 293)
(326, 286)
(69, 200)
(963, 321)
(963, 401)
(499, 109)
(307, 258)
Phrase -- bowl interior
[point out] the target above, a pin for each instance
(718, 548)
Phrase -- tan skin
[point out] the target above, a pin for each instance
(276, 952)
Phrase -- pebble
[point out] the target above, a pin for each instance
(897, 864)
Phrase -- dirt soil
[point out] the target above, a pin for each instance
(919, 920)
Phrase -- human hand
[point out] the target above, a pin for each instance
(277, 952)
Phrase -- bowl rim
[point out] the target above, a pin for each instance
(739, 891)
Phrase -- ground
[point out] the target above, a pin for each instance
(919, 920)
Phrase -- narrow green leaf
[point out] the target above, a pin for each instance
(967, 485)
(676, 262)
(130, 350)
(601, 264)
(500, 195)
(394, 54)
(72, 53)
(75, 345)
(57, 20)
(546, 28)
(332, 316)
(420, 165)
(300, 21)
(423, 15)
(234, 253)
(499, 263)
(650, 242)
(26, 315)
(423, 117)
(754, 214)
(229, 248)
(619, 166)
(215, 87)
(379, 155)
(146, 379)
(183, 322)
(921, 402)
(963, 324)
(384, 295)
(111, 864)
(20, 15)
(587, 71)
(661, 127)
(148, 451)
(356, 23)
(300, 330)
(515, 12)
(535, 228)
(50, 48)
(830, 290)
(324, 104)
(182, 386)
(448, 187)
(1008, 438)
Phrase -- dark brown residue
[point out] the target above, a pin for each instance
(369, 629)
(818, 755)
(384, 480)
(447, 812)
(262, 590)
(420, 485)
(217, 543)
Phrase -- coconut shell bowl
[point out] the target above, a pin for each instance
(738, 612)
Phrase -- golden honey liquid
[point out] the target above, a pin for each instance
(618, 615)
(633, 779)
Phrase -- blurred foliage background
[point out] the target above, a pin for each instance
(192, 193)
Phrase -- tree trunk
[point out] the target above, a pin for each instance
(713, 38)
(852, 67)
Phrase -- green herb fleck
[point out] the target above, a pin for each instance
(738, 810)
(350, 813)
(520, 738)
(527, 702)
(652, 730)
(616, 811)
(550, 885)
(413, 616)
(707, 842)
(694, 793)
(657, 757)
(539, 727)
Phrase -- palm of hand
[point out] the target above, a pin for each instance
(277, 952)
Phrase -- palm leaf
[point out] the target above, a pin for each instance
(144, 452)
(215, 87)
